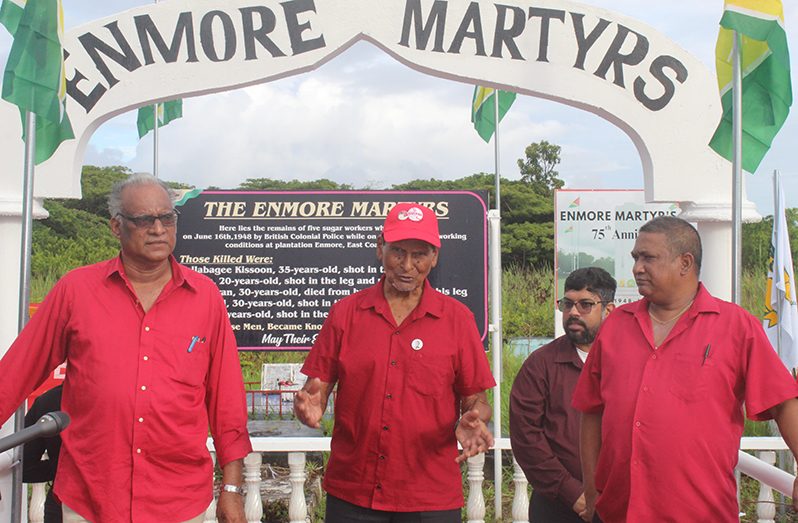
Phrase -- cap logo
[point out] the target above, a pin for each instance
(414, 214)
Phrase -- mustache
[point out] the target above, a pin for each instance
(577, 321)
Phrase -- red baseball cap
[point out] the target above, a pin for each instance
(411, 221)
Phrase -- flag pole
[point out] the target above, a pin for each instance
(24, 298)
(737, 169)
(776, 253)
(155, 137)
(155, 142)
(496, 316)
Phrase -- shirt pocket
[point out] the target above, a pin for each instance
(691, 376)
(430, 375)
(189, 357)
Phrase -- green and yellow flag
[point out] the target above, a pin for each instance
(34, 78)
(167, 112)
(766, 87)
(11, 13)
(483, 111)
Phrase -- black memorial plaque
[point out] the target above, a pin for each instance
(281, 259)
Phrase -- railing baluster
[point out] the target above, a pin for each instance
(297, 507)
(210, 514)
(253, 505)
(475, 508)
(765, 507)
(520, 495)
(37, 498)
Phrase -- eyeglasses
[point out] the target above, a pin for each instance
(583, 306)
(146, 221)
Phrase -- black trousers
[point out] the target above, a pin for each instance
(340, 511)
(546, 510)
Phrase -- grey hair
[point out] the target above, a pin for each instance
(115, 198)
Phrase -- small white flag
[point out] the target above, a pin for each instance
(781, 311)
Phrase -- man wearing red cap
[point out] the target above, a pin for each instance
(411, 374)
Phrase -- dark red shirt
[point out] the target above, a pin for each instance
(672, 416)
(544, 427)
(393, 444)
(140, 401)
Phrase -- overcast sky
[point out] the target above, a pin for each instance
(368, 120)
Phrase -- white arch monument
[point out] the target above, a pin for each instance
(624, 71)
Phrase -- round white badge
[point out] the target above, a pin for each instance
(417, 344)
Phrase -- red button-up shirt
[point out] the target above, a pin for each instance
(140, 394)
(393, 444)
(672, 416)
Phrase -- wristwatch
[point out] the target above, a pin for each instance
(233, 488)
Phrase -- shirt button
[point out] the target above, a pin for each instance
(385, 427)
(382, 457)
(653, 356)
(378, 486)
(147, 329)
(637, 423)
(146, 358)
(143, 387)
(645, 389)
(141, 420)
(388, 396)
(396, 333)
(393, 362)
(138, 451)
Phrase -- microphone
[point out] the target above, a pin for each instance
(48, 425)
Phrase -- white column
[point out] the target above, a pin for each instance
(10, 243)
(37, 498)
(765, 506)
(297, 506)
(713, 221)
(475, 507)
(253, 505)
(520, 496)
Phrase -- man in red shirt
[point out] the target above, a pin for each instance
(411, 374)
(544, 427)
(152, 365)
(662, 392)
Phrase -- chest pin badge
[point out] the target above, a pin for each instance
(417, 344)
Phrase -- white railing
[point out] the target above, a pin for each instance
(760, 469)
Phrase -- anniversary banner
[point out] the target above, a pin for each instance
(281, 259)
(599, 228)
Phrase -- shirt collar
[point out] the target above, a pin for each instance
(566, 353)
(180, 274)
(702, 303)
(431, 301)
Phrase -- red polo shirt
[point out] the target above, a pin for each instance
(393, 444)
(673, 415)
(140, 401)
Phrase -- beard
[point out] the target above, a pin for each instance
(583, 337)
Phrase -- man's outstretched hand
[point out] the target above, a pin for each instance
(473, 435)
(310, 402)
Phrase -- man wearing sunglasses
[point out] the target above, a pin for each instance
(544, 428)
(152, 364)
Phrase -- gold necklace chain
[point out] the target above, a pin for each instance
(661, 322)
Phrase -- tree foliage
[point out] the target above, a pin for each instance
(527, 216)
(270, 184)
(538, 168)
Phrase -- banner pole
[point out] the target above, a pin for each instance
(496, 317)
(24, 298)
(737, 171)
